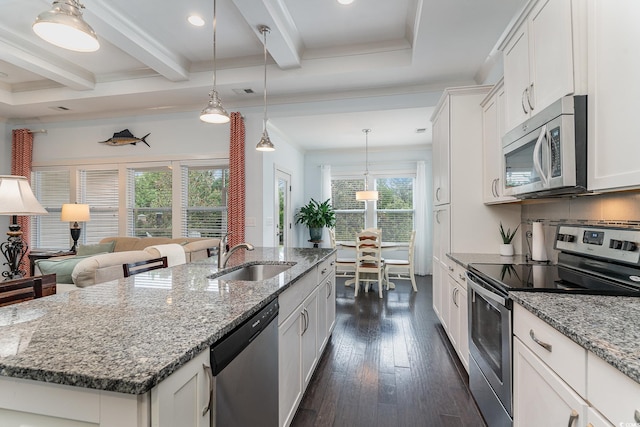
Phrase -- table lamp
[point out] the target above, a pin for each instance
(16, 198)
(75, 212)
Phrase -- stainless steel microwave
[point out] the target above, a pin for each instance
(547, 155)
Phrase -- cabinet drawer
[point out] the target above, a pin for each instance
(612, 393)
(325, 268)
(562, 355)
(457, 272)
(296, 293)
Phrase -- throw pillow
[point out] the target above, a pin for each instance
(98, 248)
(62, 267)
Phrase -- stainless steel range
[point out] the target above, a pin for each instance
(592, 260)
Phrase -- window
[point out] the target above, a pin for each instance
(99, 189)
(204, 201)
(394, 208)
(350, 214)
(149, 202)
(51, 188)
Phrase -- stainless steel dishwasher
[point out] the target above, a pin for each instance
(245, 368)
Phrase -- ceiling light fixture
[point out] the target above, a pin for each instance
(265, 143)
(366, 194)
(196, 20)
(64, 27)
(214, 112)
(345, 1)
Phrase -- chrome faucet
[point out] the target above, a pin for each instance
(224, 254)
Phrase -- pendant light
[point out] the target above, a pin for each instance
(214, 112)
(265, 143)
(64, 27)
(366, 194)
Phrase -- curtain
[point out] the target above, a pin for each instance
(326, 194)
(236, 199)
(423, 226)
(21, 160)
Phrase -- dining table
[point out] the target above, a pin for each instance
(384, 246)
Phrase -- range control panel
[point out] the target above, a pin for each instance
(618, 244)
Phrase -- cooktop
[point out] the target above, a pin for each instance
(593, 260)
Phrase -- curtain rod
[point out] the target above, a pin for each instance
(37, 131)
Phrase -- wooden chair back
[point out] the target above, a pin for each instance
(18, 290)
(142, 266)
(369, 250)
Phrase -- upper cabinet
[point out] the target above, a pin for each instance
(614, 84)
(441, 149)
(544, 58)
(492, 129)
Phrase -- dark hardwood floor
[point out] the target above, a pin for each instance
(388, 364)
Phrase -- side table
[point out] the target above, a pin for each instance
(37, 254)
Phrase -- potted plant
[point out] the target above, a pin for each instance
(316, 216)
(506, 248)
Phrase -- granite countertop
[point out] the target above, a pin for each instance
(128, 335)
(608, 326)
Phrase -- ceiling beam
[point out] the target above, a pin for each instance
(22, 53)
(120, 31)
(284, 42)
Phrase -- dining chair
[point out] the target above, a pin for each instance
(18, 290)
(402, 269)
(345, 267)
(369, 260)
(142, 266)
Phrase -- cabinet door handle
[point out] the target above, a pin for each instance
(438, 216)
(573, 417)
(529, 96)
(209, 372)
(636, 416)
(542, 344)
(324, 270)
(305, 318)
(329, 288)
(332, 263)
(438, 193)
(450, 268)
(524, 92)
(461, 276)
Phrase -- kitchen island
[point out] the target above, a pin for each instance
(121, 339)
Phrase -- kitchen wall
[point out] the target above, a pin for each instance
(614, 209)
(173, 136)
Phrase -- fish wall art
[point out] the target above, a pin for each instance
(125, 137)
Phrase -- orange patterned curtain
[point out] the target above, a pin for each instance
(235, 203)
(21, 160)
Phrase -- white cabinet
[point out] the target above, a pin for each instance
(542, 398)
(614, 67)
(543, 58)
(554, 376)
(184, 398)
(441, 155)
(457, 312)
(307, 317)
(441, 246)
(492, 131)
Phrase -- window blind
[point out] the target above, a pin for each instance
(99, 189)
(350, 213)
(204, 201)
(52, 189)
(395, 208)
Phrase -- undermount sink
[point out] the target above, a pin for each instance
(255, 272)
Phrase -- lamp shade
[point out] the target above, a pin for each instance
(75, 212)
(16, 197)
(64, 27)
(366, 195)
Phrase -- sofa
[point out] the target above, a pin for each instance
(103, 262)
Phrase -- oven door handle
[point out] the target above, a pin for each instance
(485, 292)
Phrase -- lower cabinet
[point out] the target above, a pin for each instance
(455, 313)
(184, 397)
(303, 334)
(541, 397)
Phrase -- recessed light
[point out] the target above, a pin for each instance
(345, 1)
(195, 20)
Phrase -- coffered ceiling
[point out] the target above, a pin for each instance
(333, 69)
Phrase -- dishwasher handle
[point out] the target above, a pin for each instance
(225, 350)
